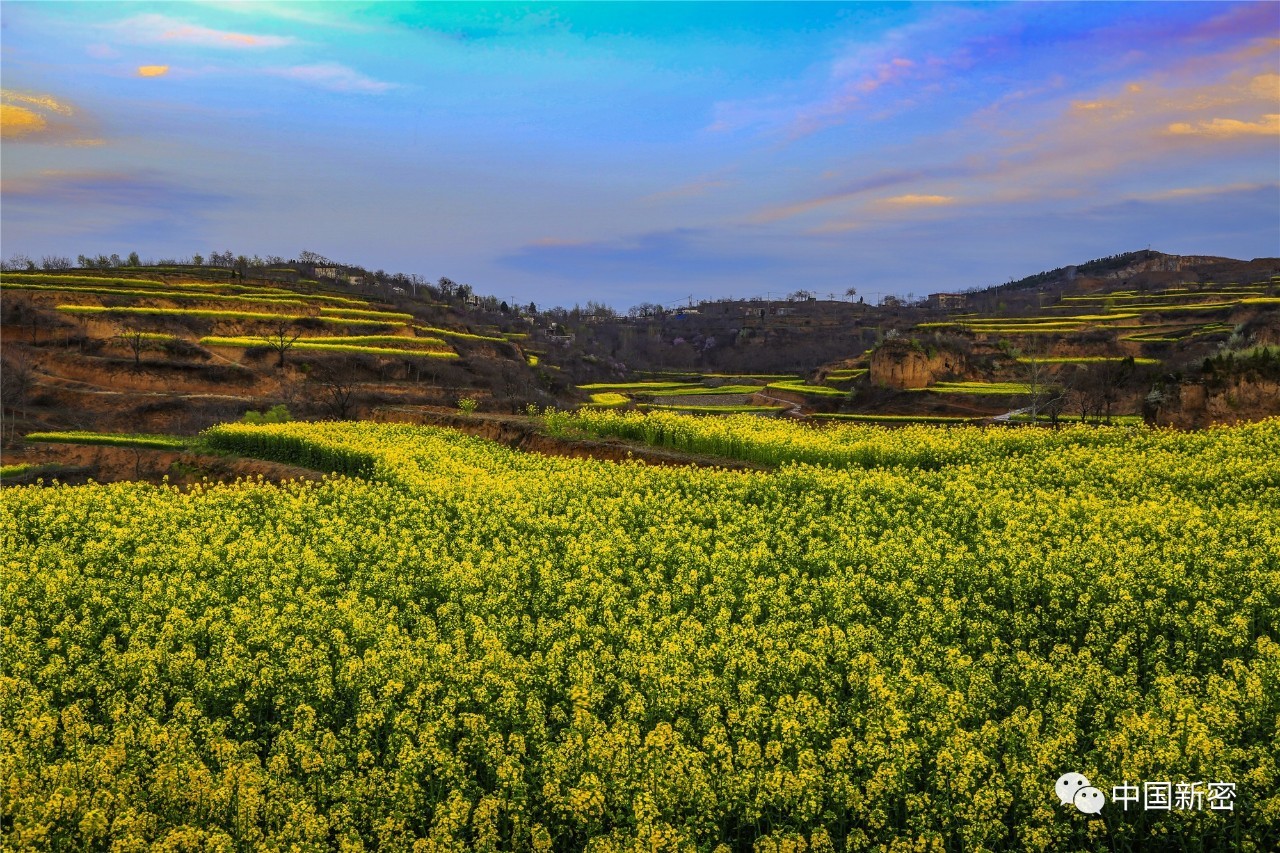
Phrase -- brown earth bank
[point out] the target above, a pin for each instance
(76, 464)
(1196, 405)
(902, 365)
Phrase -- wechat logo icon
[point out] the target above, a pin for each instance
(1075, 789)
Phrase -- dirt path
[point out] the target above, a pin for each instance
(794, 409)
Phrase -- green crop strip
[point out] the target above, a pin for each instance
(705, 391)
(450, 333)
(797, 386)
(153, 442)
(320, 345)
(214, 315)
(637, 386)
(980, 388)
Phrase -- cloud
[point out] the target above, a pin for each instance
(1266, 86)
(692, 189)
(44, 103)
(161, 28)
(17, 122)
(26, 117)
(1226, 128)
(854, 189)
(334, 77)
(657, 256)
(851, 95)
(1201, 192)
(152, 70)
(145, 190)
(913, 200)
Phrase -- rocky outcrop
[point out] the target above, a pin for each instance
(1195, 405)
(1164, 263)
(904, 364)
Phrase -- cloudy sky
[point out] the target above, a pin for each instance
(645, 152)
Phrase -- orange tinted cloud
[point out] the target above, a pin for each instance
(40, 102)
(152, 70)
(17, 122)
(1225, 128)
(915, 200)
(36, 118)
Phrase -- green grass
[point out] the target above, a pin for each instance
(844, 375)
(154, 442)
(797, 386)
(15, 470)
(531, 360)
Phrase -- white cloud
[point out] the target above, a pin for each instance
(161, 28)
(334, 77)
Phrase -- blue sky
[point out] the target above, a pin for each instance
(645, 152)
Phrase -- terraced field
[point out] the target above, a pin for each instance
(239, 305)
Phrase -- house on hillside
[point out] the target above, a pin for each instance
(327, 272)
(948, 301)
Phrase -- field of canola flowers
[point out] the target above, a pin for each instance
(461, 647)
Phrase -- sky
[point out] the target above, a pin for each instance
(644, 152)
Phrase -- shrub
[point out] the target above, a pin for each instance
(277, 414)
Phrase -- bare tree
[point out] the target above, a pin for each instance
(1035, 375)
(338, 395)
(136, 341)
(280, 341)
(16, 380)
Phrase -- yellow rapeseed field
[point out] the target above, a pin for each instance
(895, 639)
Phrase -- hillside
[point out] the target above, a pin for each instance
(1173, 340)
(178, 350)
